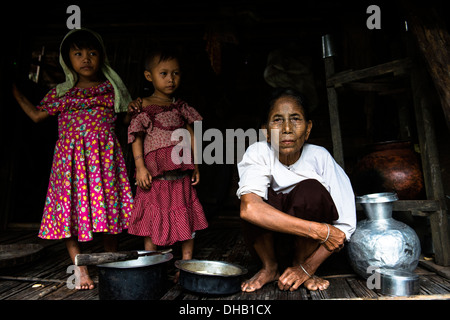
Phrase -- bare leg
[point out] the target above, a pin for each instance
(149, 245)
(187, 249)
(85, 280)
(110, 242)
(269, 272)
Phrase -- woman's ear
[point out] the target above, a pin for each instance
(308, 129)
(148, 75)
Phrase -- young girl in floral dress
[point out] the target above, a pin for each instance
(88, 191)
(167, 209)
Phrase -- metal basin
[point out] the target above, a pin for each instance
(210, 277)
(398, 282)
(140, 279)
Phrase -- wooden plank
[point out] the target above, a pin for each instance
(339, 288)
(174, 293)
(416, 207)
(360, 288)
(444, 283)
(397, 67)
(430, 287)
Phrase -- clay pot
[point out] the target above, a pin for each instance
(391, 166)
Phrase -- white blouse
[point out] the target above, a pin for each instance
(260, 168)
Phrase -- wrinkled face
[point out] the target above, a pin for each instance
(85, 62)
(165, 77)
(288, 129)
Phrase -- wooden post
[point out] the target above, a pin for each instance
(431, 169)
(433, 41)
(338, 152)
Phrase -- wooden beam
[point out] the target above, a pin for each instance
(421, 208)
(397, 67)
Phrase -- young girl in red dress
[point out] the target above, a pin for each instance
(88, 190)
(167, 209)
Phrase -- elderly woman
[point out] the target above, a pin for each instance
(297, 203)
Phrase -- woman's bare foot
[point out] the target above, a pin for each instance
(86, 282)
(261, 278)
(316, 283)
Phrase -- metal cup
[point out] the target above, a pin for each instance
(328, 49)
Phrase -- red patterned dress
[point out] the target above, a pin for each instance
(170, 210)
(88, 189)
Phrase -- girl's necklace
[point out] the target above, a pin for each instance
(164, 99)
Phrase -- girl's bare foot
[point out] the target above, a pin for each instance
(261, 278)
(86, 282)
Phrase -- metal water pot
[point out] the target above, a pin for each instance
(381, 241)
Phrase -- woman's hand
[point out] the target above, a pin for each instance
(143, 178)
(335, 240)
(135, 106)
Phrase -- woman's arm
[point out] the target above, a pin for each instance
(143, 177)
(31, 111)
(258, 212)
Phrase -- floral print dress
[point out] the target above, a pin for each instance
(89, 190)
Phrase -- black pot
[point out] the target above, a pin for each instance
(141, 279)
(210, 277)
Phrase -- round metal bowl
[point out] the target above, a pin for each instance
(210, 277)
(398, 282)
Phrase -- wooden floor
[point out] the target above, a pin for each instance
(46, 277)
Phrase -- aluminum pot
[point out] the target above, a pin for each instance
(140, 279)
(381, 241)
(210, 277)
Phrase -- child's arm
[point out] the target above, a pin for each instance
(143, 177)
(196, 174)
(35, 114)
(133, 106)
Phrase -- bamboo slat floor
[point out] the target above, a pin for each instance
(46, 277)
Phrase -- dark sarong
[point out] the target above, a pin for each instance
(309, 200)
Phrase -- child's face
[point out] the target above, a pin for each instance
(165, 77)
(85, 62)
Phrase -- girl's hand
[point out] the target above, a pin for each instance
(135, 106)
(143, 178)
(195, 177)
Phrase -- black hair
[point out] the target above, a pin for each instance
(81, 39)
(164, 54)
(278, 93)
